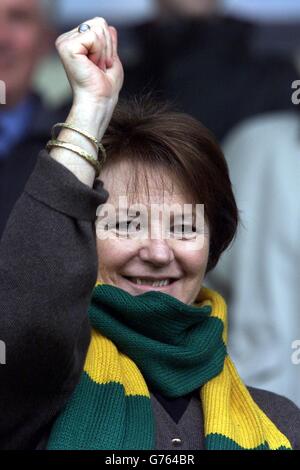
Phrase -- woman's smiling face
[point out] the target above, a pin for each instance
(162, 260)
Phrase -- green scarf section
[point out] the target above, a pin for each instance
(155, 340)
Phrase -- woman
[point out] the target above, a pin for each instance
(147, 367)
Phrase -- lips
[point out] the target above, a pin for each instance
(148, 283)
(151, 282)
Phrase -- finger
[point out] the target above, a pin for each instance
(96, 43)
(114, 37)
(102, 56)
(109, 47)
(96, 48)
(102, 61)
(110, 30)
(100, 26)
(88, 44)
(94, 22)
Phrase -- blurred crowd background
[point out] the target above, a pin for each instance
(276, 29)
(233, 64)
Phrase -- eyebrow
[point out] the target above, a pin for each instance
(22, 11)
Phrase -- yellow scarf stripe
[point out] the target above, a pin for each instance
(104, 364)
(229, 410)
(219, 307)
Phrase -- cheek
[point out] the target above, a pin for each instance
(196, 263)
(27, 40)
(113, 255)
(194, 259)
(107, 257)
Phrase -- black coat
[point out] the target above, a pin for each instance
(16, 169)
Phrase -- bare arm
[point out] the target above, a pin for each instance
(96, 76)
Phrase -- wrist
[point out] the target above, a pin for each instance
(92, 116)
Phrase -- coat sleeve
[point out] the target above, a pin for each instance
(48, 268)
(282, 411)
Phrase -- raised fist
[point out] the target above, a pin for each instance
(91, 61)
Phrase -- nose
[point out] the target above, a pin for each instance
(156, 252)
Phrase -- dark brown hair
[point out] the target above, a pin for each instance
(148, 134)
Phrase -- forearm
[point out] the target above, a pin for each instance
(92, 118)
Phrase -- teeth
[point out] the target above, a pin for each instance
(147, 282)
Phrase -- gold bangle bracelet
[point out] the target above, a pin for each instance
(78, 150)
(99, 145)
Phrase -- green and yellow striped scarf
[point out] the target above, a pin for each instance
(154, 340)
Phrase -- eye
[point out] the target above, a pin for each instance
(122, 226)
(128, 226)
(183, 231)
(20, 17)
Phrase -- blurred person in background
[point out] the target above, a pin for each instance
(260, 273)
(26, 35)
(203, 61)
